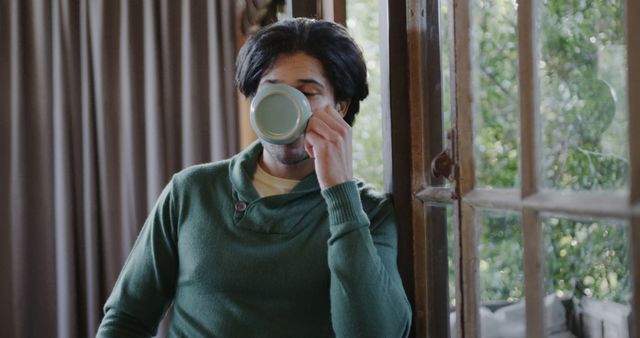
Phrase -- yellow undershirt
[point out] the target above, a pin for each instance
(267, 185)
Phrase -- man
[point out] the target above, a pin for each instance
(280, 240)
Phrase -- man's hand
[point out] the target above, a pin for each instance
(328, 142)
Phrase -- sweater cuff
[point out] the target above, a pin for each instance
(343, 204)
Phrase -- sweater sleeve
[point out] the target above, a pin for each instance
(367, 296)
(146, 285)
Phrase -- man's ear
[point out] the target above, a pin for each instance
(343, 106)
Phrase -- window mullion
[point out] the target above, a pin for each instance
(533, 273)
(635, 270)
(467, 290)
(462, 94)
(467, 286)
(429, 224)
(529, 117)
(633, 82)
(529, 142)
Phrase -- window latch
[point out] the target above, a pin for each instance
(443, 164)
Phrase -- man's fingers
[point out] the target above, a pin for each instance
(328, 142)
(321, 128)
(330, 115)
(313, 143)
(333, 120)
(309, 148)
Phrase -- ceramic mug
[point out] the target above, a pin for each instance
(279, 113)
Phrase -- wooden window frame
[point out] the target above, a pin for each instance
(412, 109)
(412, 121)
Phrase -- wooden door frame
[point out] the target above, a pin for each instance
(412, 121)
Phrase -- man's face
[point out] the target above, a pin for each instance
(306, 74)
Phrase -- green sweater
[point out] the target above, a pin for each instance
(309, 263)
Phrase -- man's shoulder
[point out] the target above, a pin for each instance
(204, 172)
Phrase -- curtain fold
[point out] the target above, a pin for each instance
(6, 283)
(101, 101)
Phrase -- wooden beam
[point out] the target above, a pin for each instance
(533, 263)
(584, 203)
(635, 275)
(594, 204)
(533, 259)
(529, 92)
(467, 291)
(420, 216)
(467, 286)
(396, 129)
(429, 223)
(462, 95)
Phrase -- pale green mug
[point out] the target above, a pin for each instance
(279, 114)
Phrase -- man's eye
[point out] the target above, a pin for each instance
(309, 94)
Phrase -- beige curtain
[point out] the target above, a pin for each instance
(101, 101)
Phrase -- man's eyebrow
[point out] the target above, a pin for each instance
(304, 81)
(312, 81)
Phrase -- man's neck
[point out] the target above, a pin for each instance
(296, 171)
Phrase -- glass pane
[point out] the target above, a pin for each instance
(363, 23)
(496, 119)
(500, 274)
(500, 254)
(445, 44)
(582, 68)
(442, 292)
(445, 71)
(451, 240)
(445, 78)
(587, 278)
(451, 259)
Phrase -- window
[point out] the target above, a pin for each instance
(544, 159)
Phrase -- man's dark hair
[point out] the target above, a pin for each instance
(326, 41)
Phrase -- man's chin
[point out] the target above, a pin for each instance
(288, 154)
(293, 159)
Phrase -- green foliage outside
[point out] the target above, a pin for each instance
(583, 114)
(584, 258)
(497, 119)
(363, 23)
(500, 266)
(587, 258)
(583, 107)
